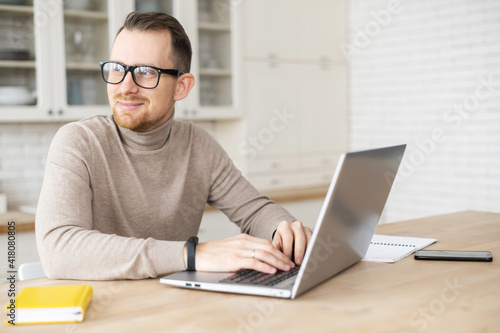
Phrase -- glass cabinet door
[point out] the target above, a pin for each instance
(214, 53)
(210, 27)
(164, 6)
(18, 79)
(86, 43)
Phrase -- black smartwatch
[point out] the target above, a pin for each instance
(191, 251)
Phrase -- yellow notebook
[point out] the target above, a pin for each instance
(51, 304)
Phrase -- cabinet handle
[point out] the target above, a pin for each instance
(50, 112)
(271, 60)
(274, 165)
(60, 112)
(193, 112)
(185, 112)
(324, 62)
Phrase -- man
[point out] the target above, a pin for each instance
(123, 193)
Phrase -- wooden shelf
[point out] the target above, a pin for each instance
(209, 26)
(18, 9)
(85, 14)
(30, 64)
(215, 72)
(76, 66)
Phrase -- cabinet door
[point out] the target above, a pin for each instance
(322, 29)
(323, 101)
(270, 28)
(82, 36)
(271, 109)
(293, 29)
(66, 40)
(24, 62)
(211, 27)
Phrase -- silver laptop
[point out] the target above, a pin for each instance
(345, 226)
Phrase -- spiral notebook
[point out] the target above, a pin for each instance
(385, 248)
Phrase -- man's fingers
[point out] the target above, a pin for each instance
(292, 239)
(254, 243)
(242, 251)
(300, 242)
(267, 253)
(284, 239)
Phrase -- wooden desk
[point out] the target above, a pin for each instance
(408, 296)
(24, 221)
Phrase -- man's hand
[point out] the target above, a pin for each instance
(292, 240)
(238, 252)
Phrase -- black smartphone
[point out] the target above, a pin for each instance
(453, 255)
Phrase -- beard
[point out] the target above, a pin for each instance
(136, 120)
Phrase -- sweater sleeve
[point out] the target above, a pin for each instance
(68, 246)
(236, 197)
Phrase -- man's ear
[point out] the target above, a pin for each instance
(184, 84)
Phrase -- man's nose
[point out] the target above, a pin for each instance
(128, 85)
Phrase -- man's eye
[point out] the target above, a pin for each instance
(146, 71)
(117, 68)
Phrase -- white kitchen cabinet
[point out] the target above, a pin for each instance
(294, 72)
(22, 62)
(296, 120)
(322, 28)
(212, 29)
(323, 106)
(270, 28)
(294, 29)
(275, 181)
(295, 108)
(65, 40)
(272, 109)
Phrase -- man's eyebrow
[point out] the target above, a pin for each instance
(143, 64)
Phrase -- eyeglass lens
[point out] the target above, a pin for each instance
(143, 76)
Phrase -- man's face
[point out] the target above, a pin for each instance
(137, 108)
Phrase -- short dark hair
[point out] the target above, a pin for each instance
(181, 52)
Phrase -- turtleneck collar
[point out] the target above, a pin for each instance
(151, 140)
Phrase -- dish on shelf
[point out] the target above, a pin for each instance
(12, 2)
(147, 6)
(14, 54)
(16, 95)
(78, 4)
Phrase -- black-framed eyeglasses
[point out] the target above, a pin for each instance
(146, 77)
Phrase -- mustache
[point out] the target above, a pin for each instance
(133, 99)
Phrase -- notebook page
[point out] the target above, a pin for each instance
(385, 248)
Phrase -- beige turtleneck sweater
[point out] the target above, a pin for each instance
(116, 204)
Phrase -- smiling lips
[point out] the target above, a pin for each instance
(129, 106)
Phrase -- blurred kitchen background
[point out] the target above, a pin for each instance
(285, 86)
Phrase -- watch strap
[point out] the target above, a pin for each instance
(191, 253)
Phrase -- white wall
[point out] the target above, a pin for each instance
(427, 73)
(23, 152)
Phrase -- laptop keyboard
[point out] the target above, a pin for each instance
(249, 276)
